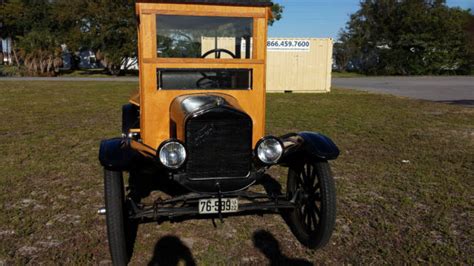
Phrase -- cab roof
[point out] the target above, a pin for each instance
(257, 3)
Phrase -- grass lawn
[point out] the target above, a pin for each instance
(405, 181)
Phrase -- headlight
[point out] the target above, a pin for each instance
(269, 150)
(172, 154)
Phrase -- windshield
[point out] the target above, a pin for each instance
(204, 37)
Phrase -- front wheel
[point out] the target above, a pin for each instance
(312, 187)
(118, 225)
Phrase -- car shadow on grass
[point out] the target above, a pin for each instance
(170, 250)
(270, 247)
(264, 241)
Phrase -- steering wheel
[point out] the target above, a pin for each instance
(218, 53)
(215, 81)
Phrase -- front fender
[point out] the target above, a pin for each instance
(121, 154)
(311, 145)
(116, 155)
(319, 145)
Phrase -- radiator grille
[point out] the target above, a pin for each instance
(219, 144)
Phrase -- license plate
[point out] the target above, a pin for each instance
(209, 206)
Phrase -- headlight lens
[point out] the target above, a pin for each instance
(269, 150)
(172, 154)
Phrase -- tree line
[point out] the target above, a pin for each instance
(384, 37)
(42, 30)
(407, 37)
(39, 29)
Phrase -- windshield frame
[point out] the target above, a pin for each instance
(150, 41)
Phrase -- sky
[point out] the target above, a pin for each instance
(323, 18)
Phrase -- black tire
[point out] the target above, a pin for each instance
(312, 221)
(115, 217)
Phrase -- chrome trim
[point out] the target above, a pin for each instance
(102, 211)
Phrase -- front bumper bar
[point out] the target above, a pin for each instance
(186, 206)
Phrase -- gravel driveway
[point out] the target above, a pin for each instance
(456, 90)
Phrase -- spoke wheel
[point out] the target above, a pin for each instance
(312, 187)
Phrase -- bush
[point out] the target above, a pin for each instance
(10, 71)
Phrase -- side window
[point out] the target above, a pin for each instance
(204, 37)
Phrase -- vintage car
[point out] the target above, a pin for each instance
(195, 130)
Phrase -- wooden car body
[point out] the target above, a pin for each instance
(154, 102)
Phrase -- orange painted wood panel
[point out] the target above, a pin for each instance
(205, 13)
(155, 123)
(201, 10)
(201, 61)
